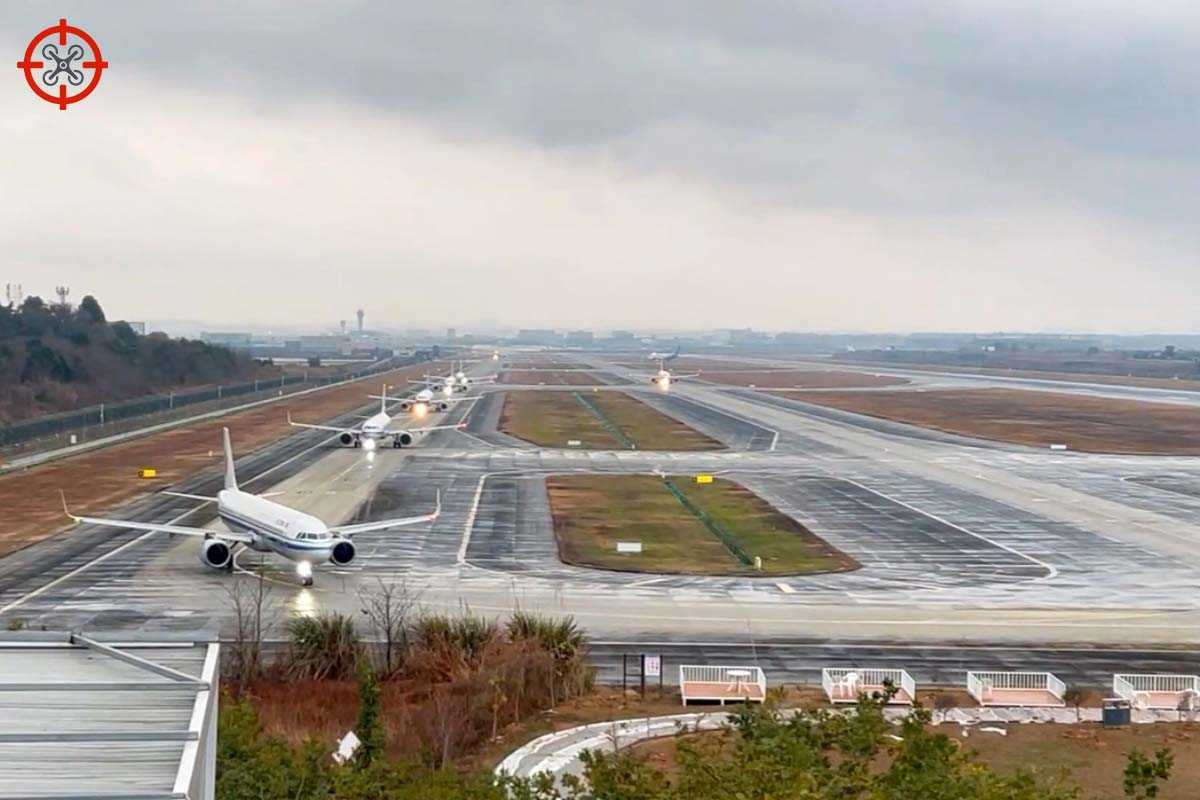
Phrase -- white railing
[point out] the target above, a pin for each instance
(844, 685)
(981, 685)
(1124, 685)
(1139, 690)
(725, 676)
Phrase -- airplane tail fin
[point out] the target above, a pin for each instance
(383, 400)
(230, 476)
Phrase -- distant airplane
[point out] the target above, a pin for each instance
(462, 382)
(663, 357)
(266, 526)
(375, 429)
(456, 381)
(428, 400)
(664, 377)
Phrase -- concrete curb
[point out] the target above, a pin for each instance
(558, 753)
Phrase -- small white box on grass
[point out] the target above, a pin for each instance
(629, 547)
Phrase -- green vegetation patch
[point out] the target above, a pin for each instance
(592, 513)
(648, 428)
(599, 420)
(551, 419)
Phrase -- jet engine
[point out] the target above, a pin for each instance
(342, 552)
(346, 438)
(406, 405)
(440, 406)
(216, 554)
(403, 439)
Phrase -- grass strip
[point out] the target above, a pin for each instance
(608, 424)
(715, 528)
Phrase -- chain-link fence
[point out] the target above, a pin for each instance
(142, 411)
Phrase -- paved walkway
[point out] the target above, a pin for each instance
(558, 753)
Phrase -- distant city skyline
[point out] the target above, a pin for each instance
(826, 166)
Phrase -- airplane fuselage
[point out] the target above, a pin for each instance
(276, 528)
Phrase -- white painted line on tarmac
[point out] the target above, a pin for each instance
(1049, 567)
(470, 521)
(786, 588)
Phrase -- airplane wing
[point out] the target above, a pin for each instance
(203, 497)
(319, 427)
(426, 429)
(363, 527)
(157, 526)
(675, 377)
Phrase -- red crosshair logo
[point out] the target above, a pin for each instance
(61, 70)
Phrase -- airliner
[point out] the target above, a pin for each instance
(375, 429)
(664, 377)
(425, 401)
(266, 526)
(462, 382)
(663, 357)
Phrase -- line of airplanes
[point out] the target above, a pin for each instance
(264, 525)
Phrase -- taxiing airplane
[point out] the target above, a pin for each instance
(375, 429)
(664, 377)
(462, 382)
(266, 526)
(663, 357)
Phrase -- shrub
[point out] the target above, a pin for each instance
(322, 647)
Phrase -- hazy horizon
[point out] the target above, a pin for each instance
(831, 167)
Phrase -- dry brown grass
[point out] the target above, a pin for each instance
(463, 681)
(1085, 423)
(1091, 757)
(104, 478)
(325, 710)
(549, 377)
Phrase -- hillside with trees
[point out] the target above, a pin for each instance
(57, 358)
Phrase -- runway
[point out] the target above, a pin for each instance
(972, 552)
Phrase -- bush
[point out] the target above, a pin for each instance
(254, 766)
(322, 647)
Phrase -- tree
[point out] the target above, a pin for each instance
(1074, 697)
(388, 607)
(370, 731)
(90, 310)
(1143, 775)
(254, 611)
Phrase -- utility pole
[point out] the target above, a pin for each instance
(14, 293)
(62, 292)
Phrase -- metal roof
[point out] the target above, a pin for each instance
(116, 715)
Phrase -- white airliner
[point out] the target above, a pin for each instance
(266, 526)
(375, 429)
(462, 382)
(663, 357)
(427, 400)
(663, 378)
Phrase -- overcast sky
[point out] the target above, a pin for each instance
(781, 165)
